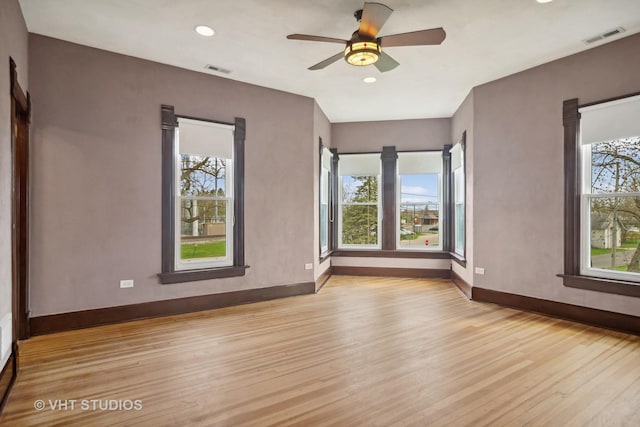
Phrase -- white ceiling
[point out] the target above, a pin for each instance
(485, 40)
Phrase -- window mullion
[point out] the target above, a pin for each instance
(389, 158)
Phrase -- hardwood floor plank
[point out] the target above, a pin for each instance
(364, 351)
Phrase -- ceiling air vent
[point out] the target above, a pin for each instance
(605, 35)
(217, 69)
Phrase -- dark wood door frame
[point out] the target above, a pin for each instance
(20, 118)
(19, 131)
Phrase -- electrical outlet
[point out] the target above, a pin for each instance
(126, 283)
(479, 270)
(308, 266)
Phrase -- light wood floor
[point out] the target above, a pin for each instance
(364, 351)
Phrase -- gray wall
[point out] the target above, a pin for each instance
(406, 135)
(462, 121)
(96, 152)
(13, 43)
(518, 163)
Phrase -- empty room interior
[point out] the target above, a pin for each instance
(320, 213)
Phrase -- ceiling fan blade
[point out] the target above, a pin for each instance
(374, 15)
(415, 38)
(315, 38)
(328, 61)
(385, 63)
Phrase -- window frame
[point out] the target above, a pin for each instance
(442, 230)
(331, 205)
(340, 204)
(388, 157)
(586, 196)
(459, 256)
(170, 204)
(229, 197)
(572, 276)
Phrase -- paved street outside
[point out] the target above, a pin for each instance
(420, 241)
(623, 256)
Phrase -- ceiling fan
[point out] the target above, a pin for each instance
(365, 47)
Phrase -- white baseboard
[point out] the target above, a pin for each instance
(6, 332)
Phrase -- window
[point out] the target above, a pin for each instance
(391, 204)
(458, 196)
(419, 201)
(359, 211)
(326, 211)
(204, 202)
(610, 196)
(202, 197)
(602, 195)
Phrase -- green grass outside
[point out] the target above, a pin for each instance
(631, 244)
(600, 251)
(627, 245)
(203, 250)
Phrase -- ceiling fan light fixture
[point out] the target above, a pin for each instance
(362, 53)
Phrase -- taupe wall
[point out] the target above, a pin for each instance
(518, 164)
(13, 43)
(96, 176)
(406, 135)
(462, 121)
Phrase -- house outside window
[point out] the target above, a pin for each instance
(610, 189)
(419, 200)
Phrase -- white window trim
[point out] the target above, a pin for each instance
(456, 203)
(324, 187)
(341, 204)
(326, 177)
(430, 248)
(201, 263)
(585, 222)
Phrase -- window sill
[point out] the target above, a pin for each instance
(462, 261)
(382, 253)
(203, 274)
(597, 284)
(325, 256)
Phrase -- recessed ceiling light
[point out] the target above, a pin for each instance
(369, 80)
(544, 1)
(205, 30)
